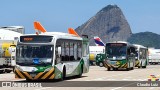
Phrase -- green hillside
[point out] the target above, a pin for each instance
(147, 39)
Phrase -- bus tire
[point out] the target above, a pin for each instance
(80, 72)
(101, 64)
(63, 74)
(1, 71)
(132, 68)
(127, 69)
(115, 69)
(8, 71)
(109, 69)
(143, 66)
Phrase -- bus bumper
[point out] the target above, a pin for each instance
(107, 65)
(137, 63)
(34, 75)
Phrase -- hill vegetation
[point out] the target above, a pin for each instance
(147, 39)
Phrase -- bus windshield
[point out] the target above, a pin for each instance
(115, 51)
(28, 54)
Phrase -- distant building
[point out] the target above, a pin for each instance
(19, 29)
(11, 32)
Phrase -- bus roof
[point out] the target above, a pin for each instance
(124, 42)
(119, 42)
(139, 46)
(56, 35)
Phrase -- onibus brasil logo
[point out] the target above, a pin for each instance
(20, 84)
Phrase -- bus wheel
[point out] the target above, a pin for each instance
(63, 74)
(80, 72)
(115, 69)
(143, 66)
(127, 69)
(8, 71)
(109, 69)
(101, 64)
(1, 71)
(132, 68)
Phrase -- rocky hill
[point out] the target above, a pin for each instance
(109, 24)
(147, 39)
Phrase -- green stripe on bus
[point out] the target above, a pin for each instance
(42, 68)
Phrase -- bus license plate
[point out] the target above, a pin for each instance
(113, 62)
(33, 74)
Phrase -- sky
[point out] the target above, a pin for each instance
(59, 15)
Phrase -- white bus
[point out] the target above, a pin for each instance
(153, 56)
(141, 56)
(51, 55)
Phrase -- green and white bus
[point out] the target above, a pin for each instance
(119, 54)
(51, 55)
(141, 56)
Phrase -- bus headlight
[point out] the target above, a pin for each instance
(19, 68)
(48, 69)
(123, 57)
(106, 61)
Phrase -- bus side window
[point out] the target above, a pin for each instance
(132, 51)
(66, 51)
(63, 51)
(71, 51)
(79, 51)
(143, 54)
(75, 50)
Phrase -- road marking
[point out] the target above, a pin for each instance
(43, 88)
(98, 79)
(152, 88)
(111, 79)
(125, 79)
(116, 88)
